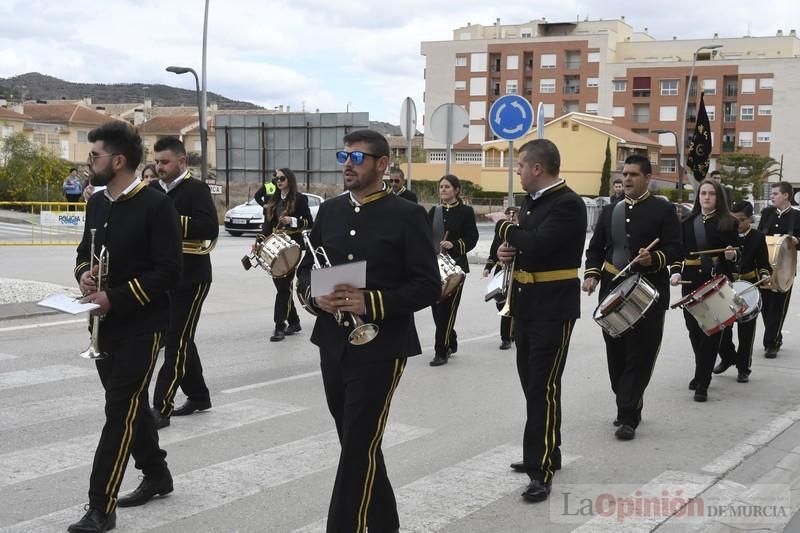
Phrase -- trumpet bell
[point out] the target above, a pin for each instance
(363, 334)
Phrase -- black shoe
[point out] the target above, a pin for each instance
(616, 423)
(278, 335)
(742, 377)
(439, 360)
(505, 345)
(160, 420)
(190, 406)
(701, 394)
(148, 488)
(291, 329)
(693, 385)
(625, 432)
(537, 491)
(722, 367)
(771, 352)
(94, 521)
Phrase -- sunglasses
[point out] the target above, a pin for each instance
(356, 157)
(396, 181)
(279, 178)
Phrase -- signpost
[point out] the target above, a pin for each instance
(449, 124)
(511, 117)
(408, 127)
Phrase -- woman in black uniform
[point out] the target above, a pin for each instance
(454, 233)
(709, 226)
(286, 212)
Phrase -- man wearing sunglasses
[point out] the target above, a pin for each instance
(392, 235)
(398, 180)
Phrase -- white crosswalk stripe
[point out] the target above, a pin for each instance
(46, 374)
(7, 356)
(43, 411)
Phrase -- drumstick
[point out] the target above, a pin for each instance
(684, 282)
(754, 286)
(444, 238)
(712, 251)
(649, 247)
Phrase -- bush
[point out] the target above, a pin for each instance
(427, 191)
(30, 173)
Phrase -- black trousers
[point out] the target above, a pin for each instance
(444, 316)
(506, 325)
(631, 359)
(742, 356)
(359, 397)
(773, 311)
(182, 365)
(285, 310)
(542, 348)
(705, 351)
(129, 428)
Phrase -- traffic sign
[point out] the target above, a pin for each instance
(511, 117)
(215, 189)
(449, 123)
(408, 119)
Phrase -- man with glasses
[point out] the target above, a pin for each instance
(367, 223)
(398, 180)
(139, 229)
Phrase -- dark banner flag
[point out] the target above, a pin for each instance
(700, 147)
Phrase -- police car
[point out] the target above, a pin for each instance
(248, 217)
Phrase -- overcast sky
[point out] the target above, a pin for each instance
(318, 53)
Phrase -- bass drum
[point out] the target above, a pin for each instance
(783, 258)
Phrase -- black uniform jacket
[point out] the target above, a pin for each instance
(696, 269)
(394, 238)
(754, 259)
(646, 219)
(774, 223)
(549, 241)
(198, 218)
(491, 261)
(143, 238)
(461, 228)
(408, 195)
(300, 211)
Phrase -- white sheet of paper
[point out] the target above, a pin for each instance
(323, 280)
(66, 304)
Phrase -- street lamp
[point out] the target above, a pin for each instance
(678, 152)
(686, 104)
(203, 121)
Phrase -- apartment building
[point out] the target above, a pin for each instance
(607, 68)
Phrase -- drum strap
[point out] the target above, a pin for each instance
(702, 242)
(621, 253)
(437, 227)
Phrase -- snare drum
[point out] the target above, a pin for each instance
(783, 258)
(451, 274)
(715, 305)
(751, 296)
(280, 255)
(625, 305)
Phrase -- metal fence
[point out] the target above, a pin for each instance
(41, 223)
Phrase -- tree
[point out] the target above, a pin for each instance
(605, 177)
(746, 173)
(30, 173)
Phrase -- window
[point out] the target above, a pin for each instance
(666, 139)
(669, 87)
(477, 110)
(511, 86)
(748, 86)
(641, 87)
(710, 87)
(526, 33)
(477, 87)
(593, 57)
(618, 111)
(197, 146)
(746, 139)
(478, 62)
(547, 86)
(39, 138)
(747, 112)
(477, 133)
(461, 61)
(547, 61)
(668, 113)
(82, 136)
(668, 164)
(591, 108)
(620, 86)
(461, 85)
(549, 110)
(766, 83)
(764, 110)
(468, 157)
(641, 113)
(764, 136)
(512, 62)
(6, 131)
(592, 82)
(711, 111)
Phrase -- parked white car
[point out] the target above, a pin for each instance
(248, 217)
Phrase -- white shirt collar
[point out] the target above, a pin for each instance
(536, 195)
(128, 189)
(174, 183)
(781, 213)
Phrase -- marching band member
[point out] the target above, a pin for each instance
(139, 228)
(398, 180)
(777, 219)
(286, 211)
(391, 234)
(623, 232)
(455, 233)
(753, 265)
(506, 322)
(709, 226)
(199, 223)
(545, 253)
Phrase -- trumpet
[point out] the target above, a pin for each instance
(362, 332)
(508, 279)
(93, 352)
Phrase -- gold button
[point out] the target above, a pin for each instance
(352, 232)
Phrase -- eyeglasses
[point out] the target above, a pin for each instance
(357, 157)
(93, 156)
(396, 181)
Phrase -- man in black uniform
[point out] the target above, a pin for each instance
(398, 180)
(199, 224)
(491, 268)
(777, 219)
(139, 228)
(623, 232)
(546, 248)
(392, 235)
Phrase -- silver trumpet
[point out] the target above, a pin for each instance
(362, 332)
(93, 352)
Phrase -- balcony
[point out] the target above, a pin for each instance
(572, 90)
(641, 118)
(691, 118)
(728, 146)
(574, 65)
(729, 118)
(641, 93)
(731, 91)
